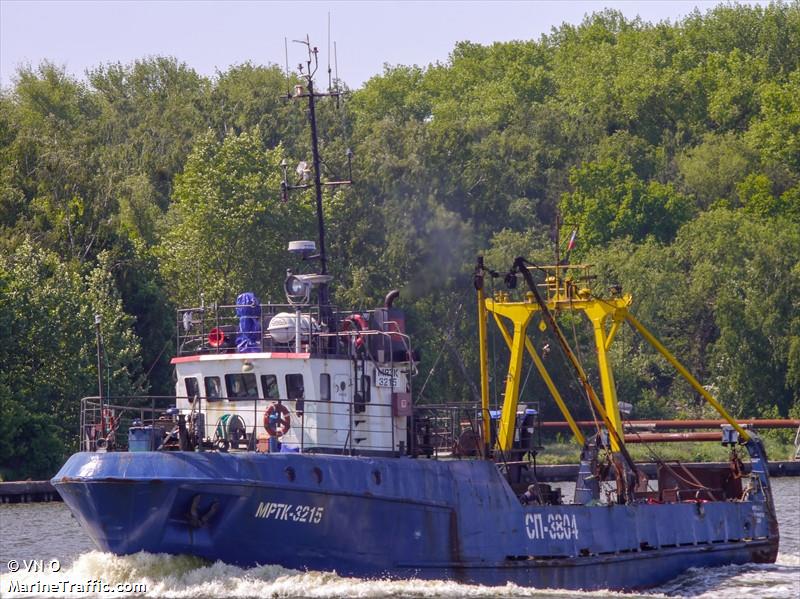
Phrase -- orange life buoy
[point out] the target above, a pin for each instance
(360, 325)
(216, 337)
(276, 420)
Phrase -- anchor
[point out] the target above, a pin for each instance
(196, 520)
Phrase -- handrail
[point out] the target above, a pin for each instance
(435, 430)
(194, 324)
(91, 416)
(762, 423)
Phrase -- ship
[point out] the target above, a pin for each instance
(295, 438)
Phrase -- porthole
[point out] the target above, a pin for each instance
(317, 474)
(376, 476)
(290, 473)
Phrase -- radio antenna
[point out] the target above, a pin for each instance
(286, 54)
(336, 73)
(330, 86)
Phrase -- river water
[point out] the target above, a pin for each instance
(48, 531)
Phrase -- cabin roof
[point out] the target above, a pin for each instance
(239, 356)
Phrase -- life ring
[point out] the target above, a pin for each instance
(216, 337)
(357, 321)
(276, 420)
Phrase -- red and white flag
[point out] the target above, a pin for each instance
(571, 243)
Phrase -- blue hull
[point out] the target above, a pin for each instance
(396, 517)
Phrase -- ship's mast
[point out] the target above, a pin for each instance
(307, 73)
(312, 117)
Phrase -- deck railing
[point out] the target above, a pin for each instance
(105, 424)
(216, 328)
(105, 421)
(440, 430)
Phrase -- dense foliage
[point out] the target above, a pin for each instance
(674, 149)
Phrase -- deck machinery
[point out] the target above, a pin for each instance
(567, 288)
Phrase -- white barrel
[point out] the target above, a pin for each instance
(282, 327)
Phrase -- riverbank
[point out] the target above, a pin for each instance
(28, 491)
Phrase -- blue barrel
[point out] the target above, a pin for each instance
(141, 438)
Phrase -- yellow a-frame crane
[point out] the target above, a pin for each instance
(565, 288)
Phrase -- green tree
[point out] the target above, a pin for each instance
(228, 229)
(48, 354)
(610, 201)
(711, 170)
(150, 112)
(777, 131)
(720, 298)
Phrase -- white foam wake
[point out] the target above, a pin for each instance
(755, 581)
(184, 577)
(788, 559)
(189, 577)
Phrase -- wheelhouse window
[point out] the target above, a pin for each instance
(294, 386)
(241, 386)
(324, 387)
(269, 385)
(192, 388)
(213, 388)
(296, 390)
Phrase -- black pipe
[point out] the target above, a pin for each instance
(390, 297)
(99, 335)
